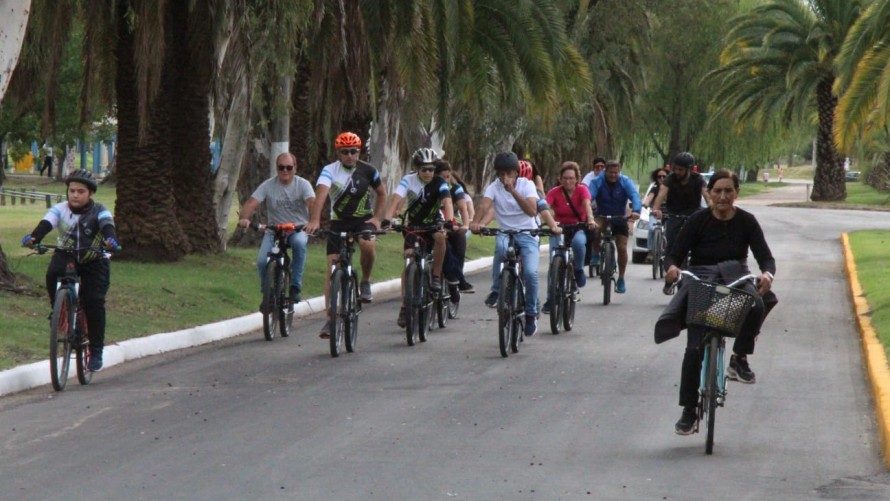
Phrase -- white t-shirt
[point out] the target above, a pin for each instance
(285, 203)
(507, 211)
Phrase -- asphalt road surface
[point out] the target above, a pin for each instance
(584, 415)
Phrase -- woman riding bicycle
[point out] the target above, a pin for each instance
(718, 239)
(570, 203)
(657, 177)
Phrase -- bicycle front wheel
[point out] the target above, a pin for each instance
(568, 308)
(427, 317)
(711, 392)
(60, 334)
(413, 303)
(607, 271)
(556, 293)
(518, 315)
(285, 307)
(351, 312)
(656, 252)
(270, 301)
(337, 311)
(82, 348)
(505, 312)
(454, 301)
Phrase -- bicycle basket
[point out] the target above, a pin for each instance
(715, 306)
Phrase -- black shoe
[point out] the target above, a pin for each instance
(466, 288)
(686, 424)
(296, 295)
(436, 284)
(740, 371)
(95, 363)
(531, 325)
(492, 300)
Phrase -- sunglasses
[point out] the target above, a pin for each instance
(428, 169)
(352, 151)
(286, 167)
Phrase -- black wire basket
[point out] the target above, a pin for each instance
(718, 307)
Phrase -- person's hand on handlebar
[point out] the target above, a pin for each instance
(475, 227)
(376, 222)
(765, 283)
(311, 227)
(657, 213)
(28, 241)
(672, 274)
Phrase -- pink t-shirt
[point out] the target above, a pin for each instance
(561, 210)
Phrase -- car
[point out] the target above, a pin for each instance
(640, 238)
(851, 176)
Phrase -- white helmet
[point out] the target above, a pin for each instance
(424, 156)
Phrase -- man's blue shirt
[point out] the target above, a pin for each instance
(611, 200)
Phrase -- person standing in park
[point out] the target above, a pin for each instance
(288, 199)
(47, 161)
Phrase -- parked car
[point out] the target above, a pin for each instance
(851, 176)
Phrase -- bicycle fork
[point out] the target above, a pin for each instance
(721, 375)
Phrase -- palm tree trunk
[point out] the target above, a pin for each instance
(828, 183)
(7, 278)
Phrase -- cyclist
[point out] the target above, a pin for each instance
(514, 203)
(657, 177)
(599, 165)
(456, 251)
(81, 222)
(718, 240)
(350, 182)
(571, 205)
(529, 171)
(680, 193)
(288, 198)
(612, 191)
(426, 193)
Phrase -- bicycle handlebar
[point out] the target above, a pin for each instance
(747, 278)
(490, 232)
(296, 228)
(44, 248)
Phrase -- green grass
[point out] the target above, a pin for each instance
(147, 298)
(863, 194)
(870, 253)
(749, 189)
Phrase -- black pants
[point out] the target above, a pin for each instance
(95, 278)
(455, 255)
(47, 164)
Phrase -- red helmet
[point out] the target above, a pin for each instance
(347, 140)
(525, 169)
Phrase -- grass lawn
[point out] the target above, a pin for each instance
(147, 298)
(870, 253)
(863, 194)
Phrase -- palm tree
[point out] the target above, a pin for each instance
(779, 60)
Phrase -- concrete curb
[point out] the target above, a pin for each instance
(872, 350)
(36, 374)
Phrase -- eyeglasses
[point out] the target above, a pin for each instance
(286, 167)
(352, 151)
(662, 176)
(428, 169)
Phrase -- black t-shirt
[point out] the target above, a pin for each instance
(684, 199)
(712, 241)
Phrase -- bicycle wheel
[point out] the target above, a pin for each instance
(285, 307)
(568, 308)
(505, 312)
(607, 271)
(711, 392)
(351, 313)
(454, 301)
(270, 301)
(426, 305)
(518, 316)
(656, 252)
(82, 349)
(336, 312)
(60, 333)
(556, 293)
(412, 303)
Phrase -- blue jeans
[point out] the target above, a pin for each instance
(297, 242)
(529, 251)
(579, 246)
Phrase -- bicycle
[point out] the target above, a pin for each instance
(608, 257)
(563, 291)
(720, 310)
(511, 295)
(671, 288)
(420, 299)
(68, 324)
(278, 308)
(344, 305)
(658, 250)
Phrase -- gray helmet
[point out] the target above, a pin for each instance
(506, 161)
(83, 176)
(424, 156)
(684, 159)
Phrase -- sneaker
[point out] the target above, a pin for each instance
(686, 424)
(668, 289)
(365, 292)
(296, 295)
(325, 330)
(580, 278)
(492, 300)
(595, 260)
(466, 288)
(403, 318)
(436, 284)
(95, 363)
(452, 282)
(620, 288)
(740, 371)
(531, 325)
(546, 309)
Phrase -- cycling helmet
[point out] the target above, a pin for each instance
(684, 159)
(424, 156)
(84, 177)
(347, 140)
(525, 169)
(506, 161)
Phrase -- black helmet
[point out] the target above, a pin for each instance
(425, 156)
(83, 176)
(684, 159)
(506, 161)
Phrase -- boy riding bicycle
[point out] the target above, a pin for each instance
(81, 222)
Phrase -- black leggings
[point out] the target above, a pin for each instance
(95, 278)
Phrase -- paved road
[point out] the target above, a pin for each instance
(584, 415)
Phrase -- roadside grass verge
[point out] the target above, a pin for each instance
(862, 194)
(870, 254)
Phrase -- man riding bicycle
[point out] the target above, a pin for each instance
(350, 182)
(681, 194)
(288, 198)
(426, 193)
(612, 191)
